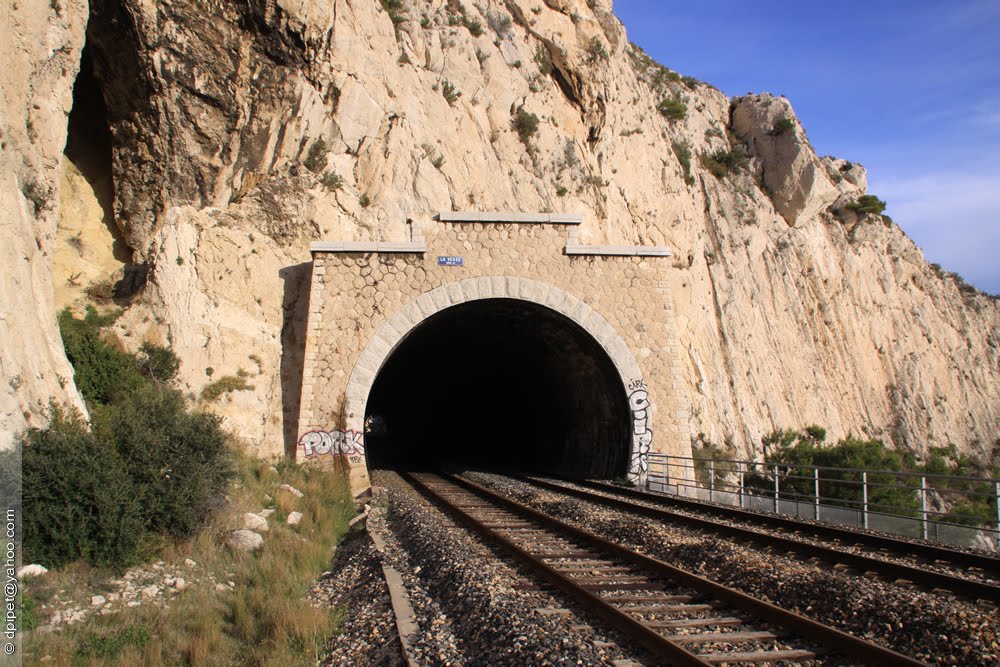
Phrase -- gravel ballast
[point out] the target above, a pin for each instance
(932, 627)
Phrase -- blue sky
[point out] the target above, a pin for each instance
(911, 90)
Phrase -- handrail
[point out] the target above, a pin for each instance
(937, 502)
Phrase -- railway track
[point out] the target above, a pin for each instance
(879, 559)
(679, 617)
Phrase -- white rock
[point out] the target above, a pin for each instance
(114, 597)
(180, 584)
(245, 540)
(256, 522)
(168, 581)
(266, 513)
(98, 600)
(33, 570)
(189, 562)
(132, 603)
(221, 588)
(294, 518)
(150, 591)
(288, 488)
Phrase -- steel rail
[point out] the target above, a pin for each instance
(650, 639)
(959, 585)
(954, 557)
(865, 651)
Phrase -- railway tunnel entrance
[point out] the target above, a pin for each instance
(499, 384)
(495, 340)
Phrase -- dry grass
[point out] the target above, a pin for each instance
(263, 620)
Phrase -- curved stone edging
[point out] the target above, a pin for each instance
(397, 327)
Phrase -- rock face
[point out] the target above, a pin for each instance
(40, 49)
(241, 132)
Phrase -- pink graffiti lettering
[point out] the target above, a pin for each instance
(334, 443)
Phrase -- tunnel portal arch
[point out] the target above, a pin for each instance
(365, 298)
(484, 289)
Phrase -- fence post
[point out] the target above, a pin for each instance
(997, 491)
(816, 489)
(923, 506)
(864, 498)
(711, 481)
(776, 489)
(740, 464)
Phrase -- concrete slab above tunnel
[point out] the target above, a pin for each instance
(493, 340)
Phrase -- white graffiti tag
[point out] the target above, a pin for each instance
(334, 443)
(642, 435)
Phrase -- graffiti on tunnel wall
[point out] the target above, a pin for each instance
(335, 443)
(642, 435)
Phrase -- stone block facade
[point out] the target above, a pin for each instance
(366, 297)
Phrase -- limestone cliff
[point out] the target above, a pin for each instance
(241, 131)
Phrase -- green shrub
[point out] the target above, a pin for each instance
(543, 60)
(561, 191)
(704, 452)
(332, 181)
(37, 194)
(596, 52)
(806, 448)
(672, 108)
(79, 501)
(450, 93)
(177, 460)
(101, 291)
(473, 26)
(683, 153)
(102, 372)
(867, 204)
(364, 201)
(781, 126)
(525, 124)
(723, 162)
(225, 384)
(500, 23)
(158, 363)
(316, 159)
(394, 9)
(146, 464)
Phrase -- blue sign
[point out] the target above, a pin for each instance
(445, 260)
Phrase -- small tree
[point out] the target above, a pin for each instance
(78, 500)
(672, 108)
(525, 124)
(867, 204)
(158, 363)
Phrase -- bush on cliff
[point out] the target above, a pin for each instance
(144, 466)
(78, 499)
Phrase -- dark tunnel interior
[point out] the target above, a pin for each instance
(499, 384)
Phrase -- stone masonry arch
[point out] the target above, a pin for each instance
(366, 297)
(394, 330)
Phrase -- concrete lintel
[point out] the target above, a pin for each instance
(511, 216)
(618, 250)
(367, 246)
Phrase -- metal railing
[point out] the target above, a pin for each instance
(964, 511)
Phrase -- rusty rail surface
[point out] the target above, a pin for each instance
(678, 616)
(969, 588)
